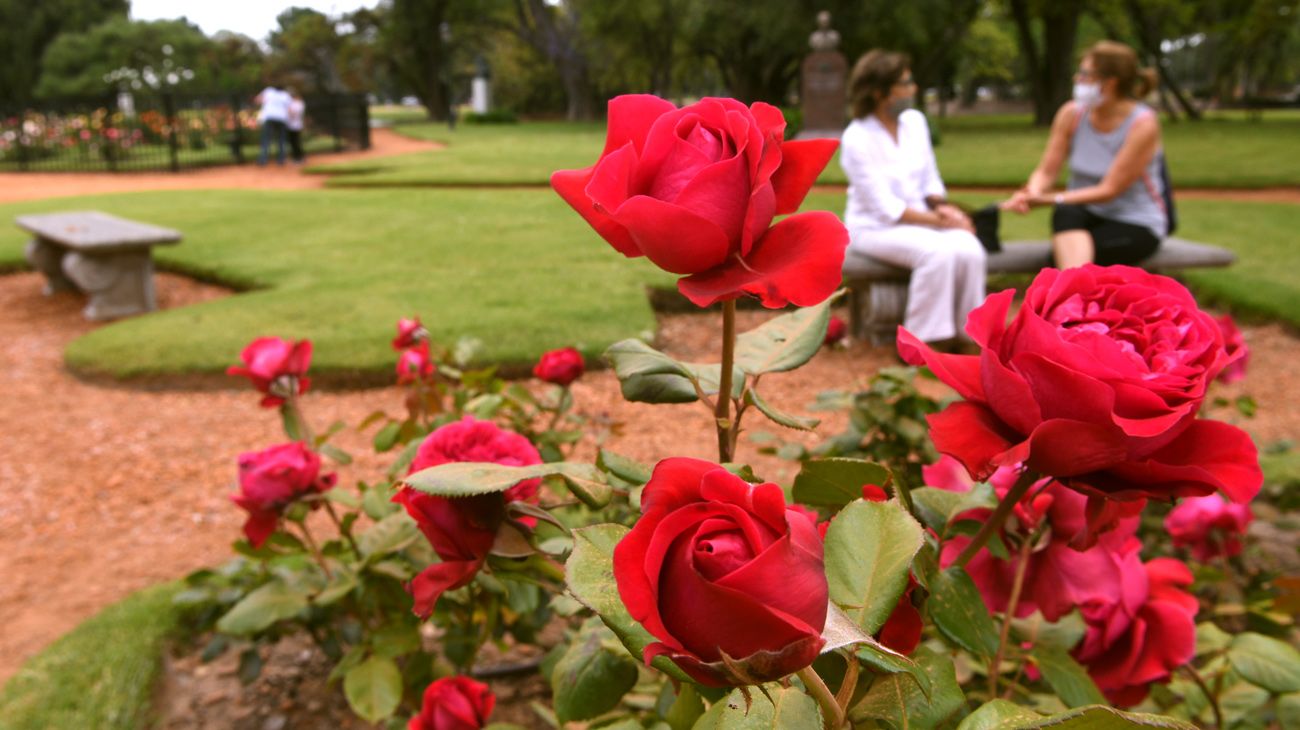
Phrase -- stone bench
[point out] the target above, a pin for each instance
(110, 259)
(878, 291)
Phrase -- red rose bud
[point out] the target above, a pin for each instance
(463, 530)
(409, 333)
(1096, 381)
(695, 191)
(454, 703)
(276, 367)
(560, 367)
(1211, 526)
(1235, 343)
(835, 331)
(727, 577)
(272, 479)
(414, 364)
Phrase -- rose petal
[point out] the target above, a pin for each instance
(720, 193)
(973, 435)
(959, 372)
(572, 186)
(426, 587)
(1208, 456)
(801, 163)
(1062, 447)
(630, 118)
(674, 238)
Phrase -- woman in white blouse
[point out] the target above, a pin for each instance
(897, 211)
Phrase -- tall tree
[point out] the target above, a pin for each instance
(554, 29)
(305, 48)
(1048, 50)
(27, 28)
(423, 40)
(156, 54)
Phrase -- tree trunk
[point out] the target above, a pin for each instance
(1049, 70)
(559, 40)
(1149, 36)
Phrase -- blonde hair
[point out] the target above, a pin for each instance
(874, 75)
(1115, 60)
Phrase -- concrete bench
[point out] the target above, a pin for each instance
(110, 259)
(878, 291)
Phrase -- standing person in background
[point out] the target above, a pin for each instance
(1114, 209)
(898, 211)
(274, 115)
(297, 114)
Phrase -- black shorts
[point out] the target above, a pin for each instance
(1113, 242)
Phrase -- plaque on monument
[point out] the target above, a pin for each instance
(824, 77)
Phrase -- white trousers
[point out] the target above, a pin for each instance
(947, 274)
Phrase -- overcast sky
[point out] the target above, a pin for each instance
(253, 18)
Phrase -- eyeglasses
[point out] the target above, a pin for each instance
(1085, 74)
(905, 82)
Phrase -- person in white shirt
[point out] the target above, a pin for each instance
(274, 115)
(297, 112)
(897, 208)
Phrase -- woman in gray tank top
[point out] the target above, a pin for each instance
(1113, 210)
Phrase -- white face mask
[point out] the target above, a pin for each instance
(1087, 94)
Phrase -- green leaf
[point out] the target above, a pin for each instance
(836, 481)
(786, 708)
(590, 575)
(343, 583)
(395, 639)
(274, 601)
(781, 418)
(959, 612)
(1063, 634)
(649, 376)
(999, 715)
(1067, 677)
(869, 549)
(250, 665)
(625, 468)
(1095, 717)
(590, 680)
(935, 506)
(785, 342)
(466, 479)
(1288, 711)
(289, 420)
(388, 535)
(373, 688)
(386, 437)
(1241, 701)
(840, 631)
(1266, 662)
(590, 488)
(338, 455)
(1210, 638)
(686, 709)
(898, 700)
(377, 502)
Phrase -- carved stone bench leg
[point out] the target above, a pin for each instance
(877, 310)
(47, 258)
(119, 284)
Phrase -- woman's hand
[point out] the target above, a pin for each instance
(950, 216)
(1019, 202)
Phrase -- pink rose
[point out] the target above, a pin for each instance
(560, 367)
(409, 333)
(414, 363)
(1211, 526)
(835, 331)
(462, 531)
(1235, 343)
(276, 367)
(1096, 381)
(695, 190)
(272, 479)
(454, 703)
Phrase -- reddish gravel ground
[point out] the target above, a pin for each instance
(105, 490)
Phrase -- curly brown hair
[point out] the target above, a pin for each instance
(873, 76)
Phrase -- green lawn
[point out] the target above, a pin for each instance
(154, 157)
(1224, 151)
(517, 270)
(100, 675)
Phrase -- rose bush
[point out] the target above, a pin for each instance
(276, 367)
(695, 190)
(836, 329)
(414, 363)
(272, 479)
(697, 571)
(1210, 526)
(560, 367)
(454, 703)
(409, 333)
(1096, 382)
(1235, 343)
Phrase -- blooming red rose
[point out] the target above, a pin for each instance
(727, 577)
(835, 331)
(1096, 381)
(414, 363)
(695, 190)
(560, 367)
(454, 703)
(276, 367)
(1235, 343)
(409, 333)
(272, 479)
(1211, 526)
(463, 530)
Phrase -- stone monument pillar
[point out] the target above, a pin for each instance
(824, 80)
(480, 89)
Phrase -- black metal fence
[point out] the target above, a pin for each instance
(163, 131)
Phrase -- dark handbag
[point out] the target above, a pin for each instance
(986, 222)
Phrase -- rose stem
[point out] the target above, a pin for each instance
(995, 521)
(850, 683)
(832, 715)
(347, 534)
(314, 548)
(1214, 701)
(1017, 584)
(304, 429)
(722, 414)
(559, 404)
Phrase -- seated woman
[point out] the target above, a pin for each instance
(897, 211)
(1113, 210)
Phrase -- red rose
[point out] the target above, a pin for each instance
(1096, 381)
(835, 331)
(276, 367)
(560, 367)
(454, 703)
(726, 576)
(1211, 526)
(272, 479)
(409, 333)
(463, 530)
(695, 190)
(1235, 343)
(414, 363)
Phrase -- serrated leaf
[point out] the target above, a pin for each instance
(373, 688)
(590, 680)
(776, 708)
(269, 603)
(999, 715)
(388, 535)
(840, 632)
(623, 467)
(959, 613)
(343, 583)
(1266, 662)
(1288, 711)
(386, 437)
(590, 575)
(339, 456)
(835, 482)
(649, 376)
(898, 700)
(1096, 717)
(1210, 638)
(869, 548)
(1067, 677)
(687, 707)
(785, 342)
(781, 418)
(466, 479)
